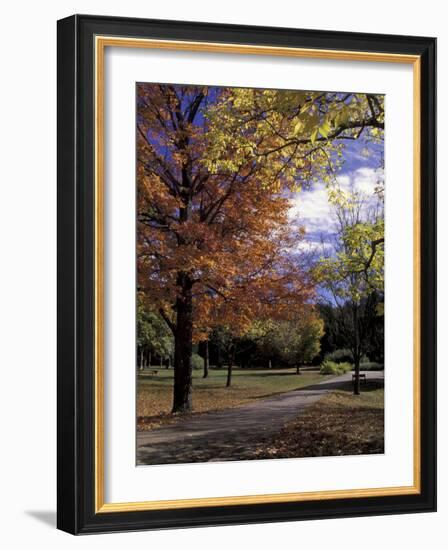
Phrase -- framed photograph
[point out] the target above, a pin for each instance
(246, 274)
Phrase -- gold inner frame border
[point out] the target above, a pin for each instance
(101, 42)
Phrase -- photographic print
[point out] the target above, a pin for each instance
(260, 273)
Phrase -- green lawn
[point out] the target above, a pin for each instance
(154, 392)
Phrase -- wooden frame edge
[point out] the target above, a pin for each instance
(255, 499)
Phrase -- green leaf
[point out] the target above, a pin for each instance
(298, 127)
(325, 129)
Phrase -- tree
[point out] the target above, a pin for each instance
(354, 272)
(213, 234)
(204, 351)
(153, 337)
(307, 342)
(295, 341)
(229, 344)
(294, 137)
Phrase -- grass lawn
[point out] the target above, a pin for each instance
(155, 392)
(339, 424)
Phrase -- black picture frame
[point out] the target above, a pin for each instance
(76, 255)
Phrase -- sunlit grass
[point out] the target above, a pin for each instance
(155, 391)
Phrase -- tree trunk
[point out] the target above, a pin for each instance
(206, 359)
(141, 358)
(149, 360)
(357, 385)
(298, 369)
(183, 330)
(161, 361)
(356, 351)
(229, 374)
(183, 347)
(231, 359)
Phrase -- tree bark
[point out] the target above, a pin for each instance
(206, 359)
(183, 347)
(231, 352)
(356, 351)
(298, 369)
(229, 374)
(357, 385)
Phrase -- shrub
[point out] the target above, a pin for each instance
(344, 356)
(330, 367)
(340, 356)
(196, 361)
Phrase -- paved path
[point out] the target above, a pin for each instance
(231, 434)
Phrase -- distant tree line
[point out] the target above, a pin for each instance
(338, 328)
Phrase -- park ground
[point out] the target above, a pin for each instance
(264, 414)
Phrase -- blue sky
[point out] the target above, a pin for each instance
(311, 209)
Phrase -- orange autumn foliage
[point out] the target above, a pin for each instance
(225, 230)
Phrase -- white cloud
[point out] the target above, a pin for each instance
(309, 246)
(366, 179)
(311, 209)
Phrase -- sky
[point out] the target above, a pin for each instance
(311, 209)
